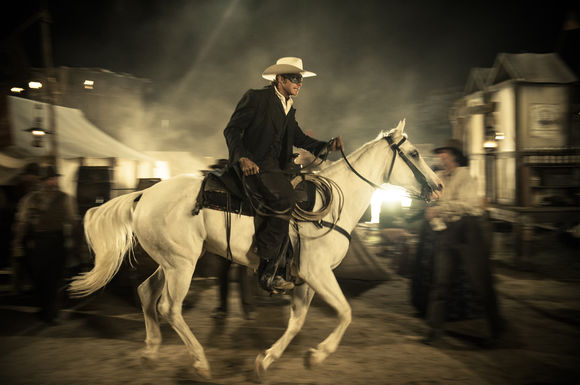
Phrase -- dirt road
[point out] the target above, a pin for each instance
(99, 339)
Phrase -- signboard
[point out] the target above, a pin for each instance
(545, 120)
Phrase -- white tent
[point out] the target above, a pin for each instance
(78, 141)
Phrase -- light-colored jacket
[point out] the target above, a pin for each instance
(460, 197)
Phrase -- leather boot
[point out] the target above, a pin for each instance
(268, 279)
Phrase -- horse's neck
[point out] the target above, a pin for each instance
(370, 161)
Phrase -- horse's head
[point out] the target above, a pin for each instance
(408, 169)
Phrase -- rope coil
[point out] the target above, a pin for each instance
(324, 189)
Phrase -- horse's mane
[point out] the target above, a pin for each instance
(353, 157)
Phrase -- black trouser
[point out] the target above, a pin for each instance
(246, 287)
(277, 193)
(45, 259)
(462, 242)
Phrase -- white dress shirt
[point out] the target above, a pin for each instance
(286, 103)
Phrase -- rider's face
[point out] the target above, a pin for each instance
(289, 88)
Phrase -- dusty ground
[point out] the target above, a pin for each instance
(99, 339)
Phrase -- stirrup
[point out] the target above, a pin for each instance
(276, 284)
(280, 284)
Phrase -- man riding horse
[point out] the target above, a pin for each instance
(260, 136)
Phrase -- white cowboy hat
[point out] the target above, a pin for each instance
(286, 65)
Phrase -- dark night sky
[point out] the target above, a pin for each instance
(377, 61)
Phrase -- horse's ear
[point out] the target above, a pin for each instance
(401, 126)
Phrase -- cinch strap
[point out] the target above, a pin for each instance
(337, 228)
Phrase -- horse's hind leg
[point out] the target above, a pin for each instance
(301, 299)
(177, 282)
(324, 283)
(149, 293)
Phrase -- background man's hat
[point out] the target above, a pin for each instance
(451, 144)
(49, 172)
(32, 169)
(455, 146)
(219, 164)
(286, 65)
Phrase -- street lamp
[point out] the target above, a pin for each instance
(37, 131)
(89, 84)
(34, 85)
(490, 144)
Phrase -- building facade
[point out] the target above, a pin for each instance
(520, 124)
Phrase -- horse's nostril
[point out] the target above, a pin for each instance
(439, 187)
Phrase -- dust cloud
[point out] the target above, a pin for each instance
(210, 54)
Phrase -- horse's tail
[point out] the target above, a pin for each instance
(109, 233)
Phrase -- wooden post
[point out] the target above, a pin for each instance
(50, 95)
(524, 234)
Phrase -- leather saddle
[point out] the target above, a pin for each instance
(222, 190)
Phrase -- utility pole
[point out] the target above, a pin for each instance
(50, 93)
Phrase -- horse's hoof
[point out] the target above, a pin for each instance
(261, 368)
(313, 358)
(149, 359)
(203, 373)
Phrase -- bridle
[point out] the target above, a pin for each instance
(396, 147)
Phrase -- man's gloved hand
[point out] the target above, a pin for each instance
(336, 144)
(248, 167)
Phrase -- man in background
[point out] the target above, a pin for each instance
(43, 232)
(456, 219)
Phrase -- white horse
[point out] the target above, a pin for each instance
(163, 223)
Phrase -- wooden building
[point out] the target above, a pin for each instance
(520, 124)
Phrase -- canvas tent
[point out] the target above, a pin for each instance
(78, 142)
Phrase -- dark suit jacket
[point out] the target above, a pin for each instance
(252, 127)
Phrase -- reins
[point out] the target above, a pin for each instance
(324, 187)
(396, 150)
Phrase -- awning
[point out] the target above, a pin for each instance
(76, 136)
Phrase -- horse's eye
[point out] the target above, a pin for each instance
(414, 154)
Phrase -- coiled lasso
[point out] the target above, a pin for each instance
(324, 189)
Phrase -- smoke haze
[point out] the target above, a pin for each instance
(377, 61)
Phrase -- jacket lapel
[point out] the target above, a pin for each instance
(277, 112)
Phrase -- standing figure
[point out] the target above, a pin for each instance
(245, 278)
(459, 238)
(24, 183)
(260, 136)
(43, 228)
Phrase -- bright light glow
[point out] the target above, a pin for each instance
(389, 194)
(161, 170)
(16, 89)
(499, 136)
(35, 85)
(490, 144)
(38, 132)
(89, 84)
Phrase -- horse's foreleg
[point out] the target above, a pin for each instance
(324, 284)
(301, 298)
(149, 293)
(177, 282)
